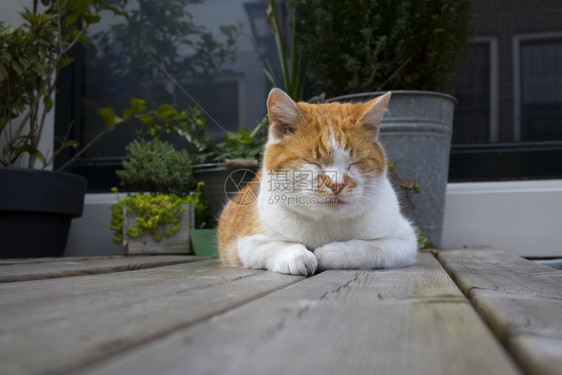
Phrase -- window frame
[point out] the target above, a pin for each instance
(492, 44)
(516, 45)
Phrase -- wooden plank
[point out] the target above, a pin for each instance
(538, 355)
(520, 314)
(492, 269)
(56, 325)
(401, 321)
(66, 267)
(520, 300)
(10, 261)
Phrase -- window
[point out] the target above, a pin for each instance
(475, 118)
(496, 137)
(540, 75)
(508, 121)
(178, 52)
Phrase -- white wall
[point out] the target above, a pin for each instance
(90, 234)
(9, 10)
(521, 217)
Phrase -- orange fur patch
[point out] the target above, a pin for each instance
(312, 139)
(238, 220)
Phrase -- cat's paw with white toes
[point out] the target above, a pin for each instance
(295, 260)
(331, 256)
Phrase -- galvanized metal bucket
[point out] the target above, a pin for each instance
(416, 134)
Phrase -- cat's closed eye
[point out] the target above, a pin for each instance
(315, 163)
(352, 164)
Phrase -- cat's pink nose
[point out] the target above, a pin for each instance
(336, 187)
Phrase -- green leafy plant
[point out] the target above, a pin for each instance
(158, 214)
(292, 82)
(371, 45)
(155, 166)
(189, 123)
(244, 144)
(32, 57)
(409, 188)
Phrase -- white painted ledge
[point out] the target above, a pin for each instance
(521, 217)
(90, 234)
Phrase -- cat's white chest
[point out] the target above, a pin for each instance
(316, 233)
(288, 225)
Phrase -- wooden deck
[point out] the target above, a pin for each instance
(478, 311)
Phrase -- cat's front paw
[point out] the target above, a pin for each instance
(331, 256)
(295, 260)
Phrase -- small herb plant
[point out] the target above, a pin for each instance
(155, 166)
(158, 214)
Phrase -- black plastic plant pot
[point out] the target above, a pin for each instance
(36, 208)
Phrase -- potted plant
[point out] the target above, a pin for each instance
(157, 220)
(37, 204)
(408, 47)
(210, 162)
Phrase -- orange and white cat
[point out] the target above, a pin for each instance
(324, 200)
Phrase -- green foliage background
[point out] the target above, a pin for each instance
(370, 45)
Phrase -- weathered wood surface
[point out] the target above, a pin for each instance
(412, 320)
(139, 315)
(11, 271)
(59, 325)
(520, 300)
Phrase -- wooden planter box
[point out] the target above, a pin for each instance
(177, 243)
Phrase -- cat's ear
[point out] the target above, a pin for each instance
(372, 114)
(283, 115)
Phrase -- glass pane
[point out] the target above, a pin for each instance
(472, 90)
(178, 52)
(541, 90)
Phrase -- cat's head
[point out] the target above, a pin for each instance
(324, 159)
